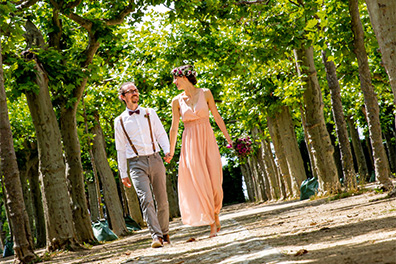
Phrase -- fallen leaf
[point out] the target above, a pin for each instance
(128, 253)
(191, 239)
(301, 252)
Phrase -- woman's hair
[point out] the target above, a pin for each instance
(186, 70)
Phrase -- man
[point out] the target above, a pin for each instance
(138, 132)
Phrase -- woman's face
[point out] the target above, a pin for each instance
(179, 82)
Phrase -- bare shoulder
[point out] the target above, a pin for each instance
(208, 94)
(175, 100)
(206, 90)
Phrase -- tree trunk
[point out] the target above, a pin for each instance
(280, 153)
(248, 181)
(308, 145)
(59, 220)
(391, 148)
(383, 19)
(39, 218)
(261, 168)
(58, 214)
(22, 237)
(110, 192)
(133, 205)
(358, 150)
(271, 170)
(381, 163)
(341, 129)
(27, 195)
(74, 173)
(292, 152)
(171, 189)
(266, 180)
(93, 164)
(93, 201)
(258, 179)
(317, 134)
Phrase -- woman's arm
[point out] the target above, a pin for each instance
(216, 115)
(175, 125)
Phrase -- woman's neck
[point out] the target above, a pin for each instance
(190, 90)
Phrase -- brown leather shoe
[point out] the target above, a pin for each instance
(157, 242)
(166, 239)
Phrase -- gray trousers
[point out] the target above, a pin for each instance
(147, 172)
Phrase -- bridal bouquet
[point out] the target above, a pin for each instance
(242, 146)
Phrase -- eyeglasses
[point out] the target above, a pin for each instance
(132, 91)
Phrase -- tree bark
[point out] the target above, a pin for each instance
(383, 19)
(381, 163)
(258, 179)
(93, 201)
(22, 237)
(173, 200)
(358, 150)
(39, 218)
(27, 195)
(318, 137)
(58, 214)
(308, 145)
(271, 170)
(59, 220)
(391, 149)
(133, 205)
(280, 154)
(248, 181)
(292, 152)
(74, 173)
(110, 192)
(341, 129)
(261, 167)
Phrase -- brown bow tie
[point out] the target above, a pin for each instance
(131, 112)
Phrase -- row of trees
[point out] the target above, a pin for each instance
(282, 71)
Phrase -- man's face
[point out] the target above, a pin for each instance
(131, 94)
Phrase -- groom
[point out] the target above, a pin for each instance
(138, 134)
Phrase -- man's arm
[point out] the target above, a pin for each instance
(121, 152)
(159, 132)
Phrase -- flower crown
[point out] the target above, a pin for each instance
(185, 72)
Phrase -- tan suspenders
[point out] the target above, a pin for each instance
(129, 139)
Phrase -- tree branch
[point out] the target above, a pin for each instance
(120, 18)
(22, 5)
(74, 4)
(265, 2)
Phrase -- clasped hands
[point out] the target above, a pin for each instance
(168, 157)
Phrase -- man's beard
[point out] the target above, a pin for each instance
(135, 99)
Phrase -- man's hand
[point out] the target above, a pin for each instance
(168, 157)
(127, 182)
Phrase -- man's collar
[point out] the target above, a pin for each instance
(127, 109)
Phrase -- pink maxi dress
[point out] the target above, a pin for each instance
(200, 168)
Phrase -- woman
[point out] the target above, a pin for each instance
(200, 168)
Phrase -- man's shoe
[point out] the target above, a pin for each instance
(157, 242)
(166, 239)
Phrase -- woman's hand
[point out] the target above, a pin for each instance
(168, 157)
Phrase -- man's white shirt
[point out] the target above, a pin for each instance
(138, 131)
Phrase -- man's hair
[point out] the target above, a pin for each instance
(121, 89)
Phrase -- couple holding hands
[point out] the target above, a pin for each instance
(138, 135)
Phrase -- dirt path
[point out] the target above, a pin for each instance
(358, 229)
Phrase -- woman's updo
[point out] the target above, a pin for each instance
(186, 70)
